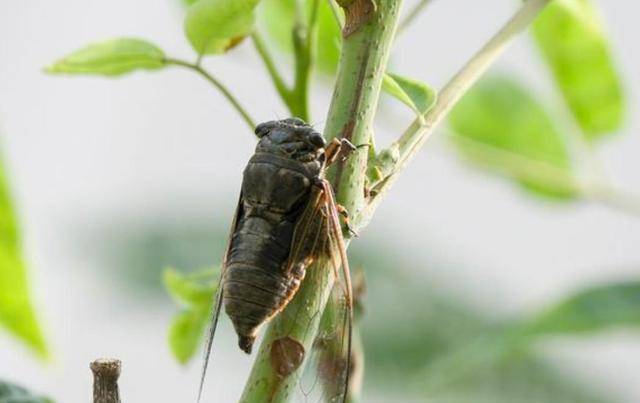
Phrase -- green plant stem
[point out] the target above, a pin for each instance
(282, 88)
(216, 83)
(418, 132)
(364, 57)
(305, 37)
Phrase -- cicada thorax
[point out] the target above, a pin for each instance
(259, 278)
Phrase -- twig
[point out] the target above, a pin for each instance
(105, 380)
(283, 90)
(305, 36)
(417, 133)
(216, 83)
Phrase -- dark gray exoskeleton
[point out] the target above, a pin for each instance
(286, 218)
(276, 187)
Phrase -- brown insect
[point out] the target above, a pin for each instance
(286, 218)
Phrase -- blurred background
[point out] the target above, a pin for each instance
(115, 179)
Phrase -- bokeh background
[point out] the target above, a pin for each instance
(113, 180)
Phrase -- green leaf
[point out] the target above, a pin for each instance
(10, 393)
(501, 126)
(572, 39)
(190, 290)
(111, 58)
(596, 309)
(447, 351)
(186, 331)
(16, 309)
(278, 17)
(215, 26)
(416, 95)
(195, 292)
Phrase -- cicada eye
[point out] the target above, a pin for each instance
(317, 140)
(264, 128)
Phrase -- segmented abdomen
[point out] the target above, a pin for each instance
(255, 284)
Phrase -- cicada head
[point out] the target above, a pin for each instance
(291, 137)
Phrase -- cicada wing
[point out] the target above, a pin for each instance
(337, 363)
(215, 312)
(318, 232)
(328, 373)
(308, 234)
(332, 358)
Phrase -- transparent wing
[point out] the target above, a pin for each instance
(329, 372)
(215, 312)
(308, 235)
(338, 354)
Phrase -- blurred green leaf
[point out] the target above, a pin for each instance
(10, 393)
(572, 39)
(190, 289)
(8, 226)
(423, 343)
(17, 314)
(186, 332)
(499, 125)
(278, 17)
(111, 58)
(215, 26)
(195, 292)
(596, 309)
(416, 95)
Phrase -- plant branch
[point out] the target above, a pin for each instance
(283, 90)
(362, 64)
(216, 83)
(305, 36)
(418, 132)
(106, 372)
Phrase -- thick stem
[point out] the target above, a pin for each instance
(420, 130)
(364, 57)
(105, 380)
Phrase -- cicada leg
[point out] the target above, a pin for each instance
(338, 148)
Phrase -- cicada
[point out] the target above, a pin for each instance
(285, 219)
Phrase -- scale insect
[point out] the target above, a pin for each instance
(285, 219)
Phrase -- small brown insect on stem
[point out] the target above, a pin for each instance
(105, 380)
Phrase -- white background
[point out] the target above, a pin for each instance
(83, 150)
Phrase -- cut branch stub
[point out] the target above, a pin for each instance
(357, 13)
(105, 380)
